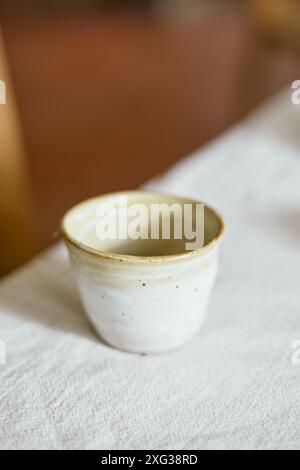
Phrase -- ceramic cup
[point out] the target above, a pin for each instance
(142, 296)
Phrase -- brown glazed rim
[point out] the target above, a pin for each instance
(141, 259)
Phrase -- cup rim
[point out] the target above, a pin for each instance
(136, 259)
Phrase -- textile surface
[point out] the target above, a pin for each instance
(237, 385)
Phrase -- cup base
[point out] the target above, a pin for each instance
(150, 351)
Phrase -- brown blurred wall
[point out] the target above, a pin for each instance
(108, 101)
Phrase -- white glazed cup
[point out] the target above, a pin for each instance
(141, 303)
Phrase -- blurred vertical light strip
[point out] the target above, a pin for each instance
(16, 229)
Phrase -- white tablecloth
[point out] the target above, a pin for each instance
(237, 385)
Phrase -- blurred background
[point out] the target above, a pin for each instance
(103, 95)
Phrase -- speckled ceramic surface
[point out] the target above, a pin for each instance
(142, 304)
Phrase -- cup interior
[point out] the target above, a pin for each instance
(81, 224)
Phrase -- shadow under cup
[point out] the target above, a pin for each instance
(145, 264)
